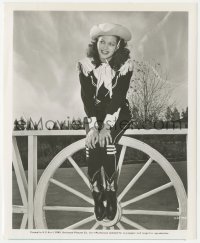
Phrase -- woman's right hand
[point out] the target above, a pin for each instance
(92, 138)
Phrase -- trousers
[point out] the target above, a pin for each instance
(105, 157)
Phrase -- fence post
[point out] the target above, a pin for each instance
(32, 177)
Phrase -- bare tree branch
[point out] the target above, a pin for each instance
(149, 94)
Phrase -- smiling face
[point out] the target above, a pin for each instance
(106, 46)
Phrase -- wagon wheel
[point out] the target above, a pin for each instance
(122, 219)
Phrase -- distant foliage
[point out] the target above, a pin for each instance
(173, 118)
(150, 93)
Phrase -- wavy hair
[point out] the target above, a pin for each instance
(118, 58)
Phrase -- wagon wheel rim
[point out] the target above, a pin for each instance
(47, 177)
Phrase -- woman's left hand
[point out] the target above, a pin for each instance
(105, 136)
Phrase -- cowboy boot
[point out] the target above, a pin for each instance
(98, 196)
(111, 197)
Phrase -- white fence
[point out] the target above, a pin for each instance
(27, 188)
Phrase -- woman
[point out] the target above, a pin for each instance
(105, 76)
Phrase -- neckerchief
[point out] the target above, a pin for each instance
(104, 75)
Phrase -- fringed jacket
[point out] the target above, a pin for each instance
(104, 90)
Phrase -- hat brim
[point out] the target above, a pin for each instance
(114, 30)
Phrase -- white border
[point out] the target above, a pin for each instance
(7, 187)
(1, 115)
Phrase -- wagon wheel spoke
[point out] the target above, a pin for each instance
(19, 209)
(71, 209)
(104, 227)
(80, 223)
(132, 223)
(24, 221)
(121, 159)
(120, 226)
(135, 178)
(112, 228)
(95, 226)
(147, 194)
(73, 191)
(80, 172)
(151, 212)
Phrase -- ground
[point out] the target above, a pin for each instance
(153, 177)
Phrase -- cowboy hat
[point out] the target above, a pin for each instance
(110, 29)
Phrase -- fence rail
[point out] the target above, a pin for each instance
(82, 132)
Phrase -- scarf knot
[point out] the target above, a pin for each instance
(104, 75)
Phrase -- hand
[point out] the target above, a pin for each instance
(92, 138)
(105, 136)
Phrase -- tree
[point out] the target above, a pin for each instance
(168, 114)
(55, 126)
(175, 114)
(22, 123)
(149, 93)
(184, 114)
(35, 126)
(16, 125)
(28, 126)
(63, 125)
(76, 124)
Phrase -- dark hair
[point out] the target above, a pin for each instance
(118, 58)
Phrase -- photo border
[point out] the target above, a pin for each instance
(10, 233)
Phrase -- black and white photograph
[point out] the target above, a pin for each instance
(102, 122)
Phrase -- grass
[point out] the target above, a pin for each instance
(152, 178)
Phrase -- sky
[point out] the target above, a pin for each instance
(48, 44)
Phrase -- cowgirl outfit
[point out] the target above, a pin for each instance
(103, 92)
